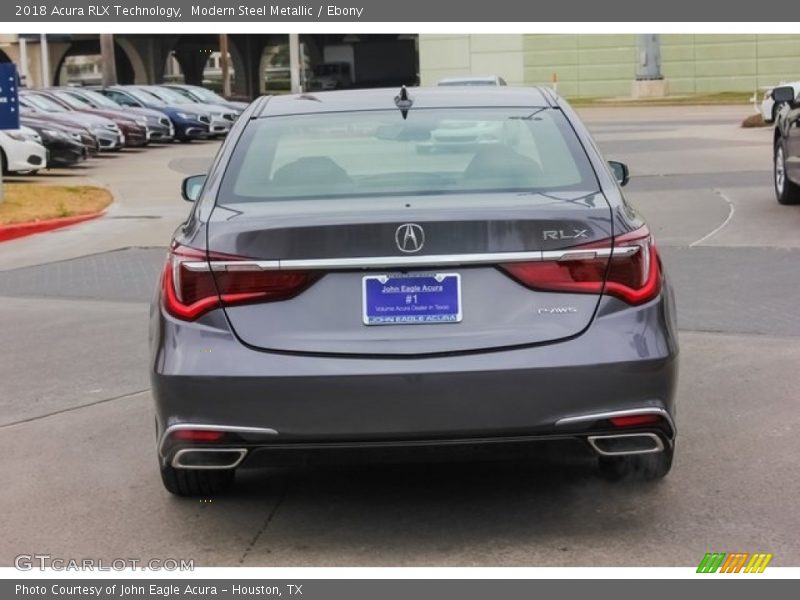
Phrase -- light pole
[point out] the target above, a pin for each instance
(107, 59)
(649, 82)
(294, 62)
(23, 62)
(649, 47)
(44, 60)
(224, 65)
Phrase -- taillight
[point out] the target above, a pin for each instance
(195, 282)
(187, 286)
(626, 267)
(635, 279)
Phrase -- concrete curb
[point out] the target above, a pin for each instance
(18, 230)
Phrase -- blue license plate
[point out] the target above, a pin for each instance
(412, 299)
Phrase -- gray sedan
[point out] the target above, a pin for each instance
(336, 295)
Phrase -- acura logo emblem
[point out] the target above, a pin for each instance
(410, 237)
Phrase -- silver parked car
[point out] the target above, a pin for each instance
(205, 96)
(336, 294)
(108, 134)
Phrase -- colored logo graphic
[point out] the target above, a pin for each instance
(735, 562)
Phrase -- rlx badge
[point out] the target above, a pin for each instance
(560, 234)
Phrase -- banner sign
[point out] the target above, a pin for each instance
(513, 11)
(9, 99)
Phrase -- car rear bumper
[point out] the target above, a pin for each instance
(204, 377)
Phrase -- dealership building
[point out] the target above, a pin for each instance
(583, 65)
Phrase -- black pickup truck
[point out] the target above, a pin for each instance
(787, 146)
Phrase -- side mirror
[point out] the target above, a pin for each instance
(783, 94)
(192, 186)
(620, 170)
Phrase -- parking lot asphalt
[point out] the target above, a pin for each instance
(76, 429)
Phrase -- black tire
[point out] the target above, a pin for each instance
(197, 482)
(786, 191)
(637, 467)
(3, 163)
(185, 140)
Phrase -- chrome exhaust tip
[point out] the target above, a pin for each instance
(626, 444)
(208, 458)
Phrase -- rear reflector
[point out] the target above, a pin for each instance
(194, 282)
(197, 435)
(634, 420)
(634, 277)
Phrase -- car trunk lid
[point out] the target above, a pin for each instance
(422, 239)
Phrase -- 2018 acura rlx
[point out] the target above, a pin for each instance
(336, 293)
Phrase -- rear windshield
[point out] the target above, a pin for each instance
(432, 151)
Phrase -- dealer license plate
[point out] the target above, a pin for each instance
(412, 299)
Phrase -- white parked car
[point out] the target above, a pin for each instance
(769, 110)
(469, 135)
(481, 80)
(21, 151)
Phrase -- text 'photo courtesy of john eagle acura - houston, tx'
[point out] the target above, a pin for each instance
(372, 273)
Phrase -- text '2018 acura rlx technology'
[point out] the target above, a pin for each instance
(336, 293)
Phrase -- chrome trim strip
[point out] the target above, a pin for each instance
(589, 253)
(176, 463)
(653, 410)
(659, 445)
(226, 428)
(436, 260)
(402, 261)
(194, 265)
